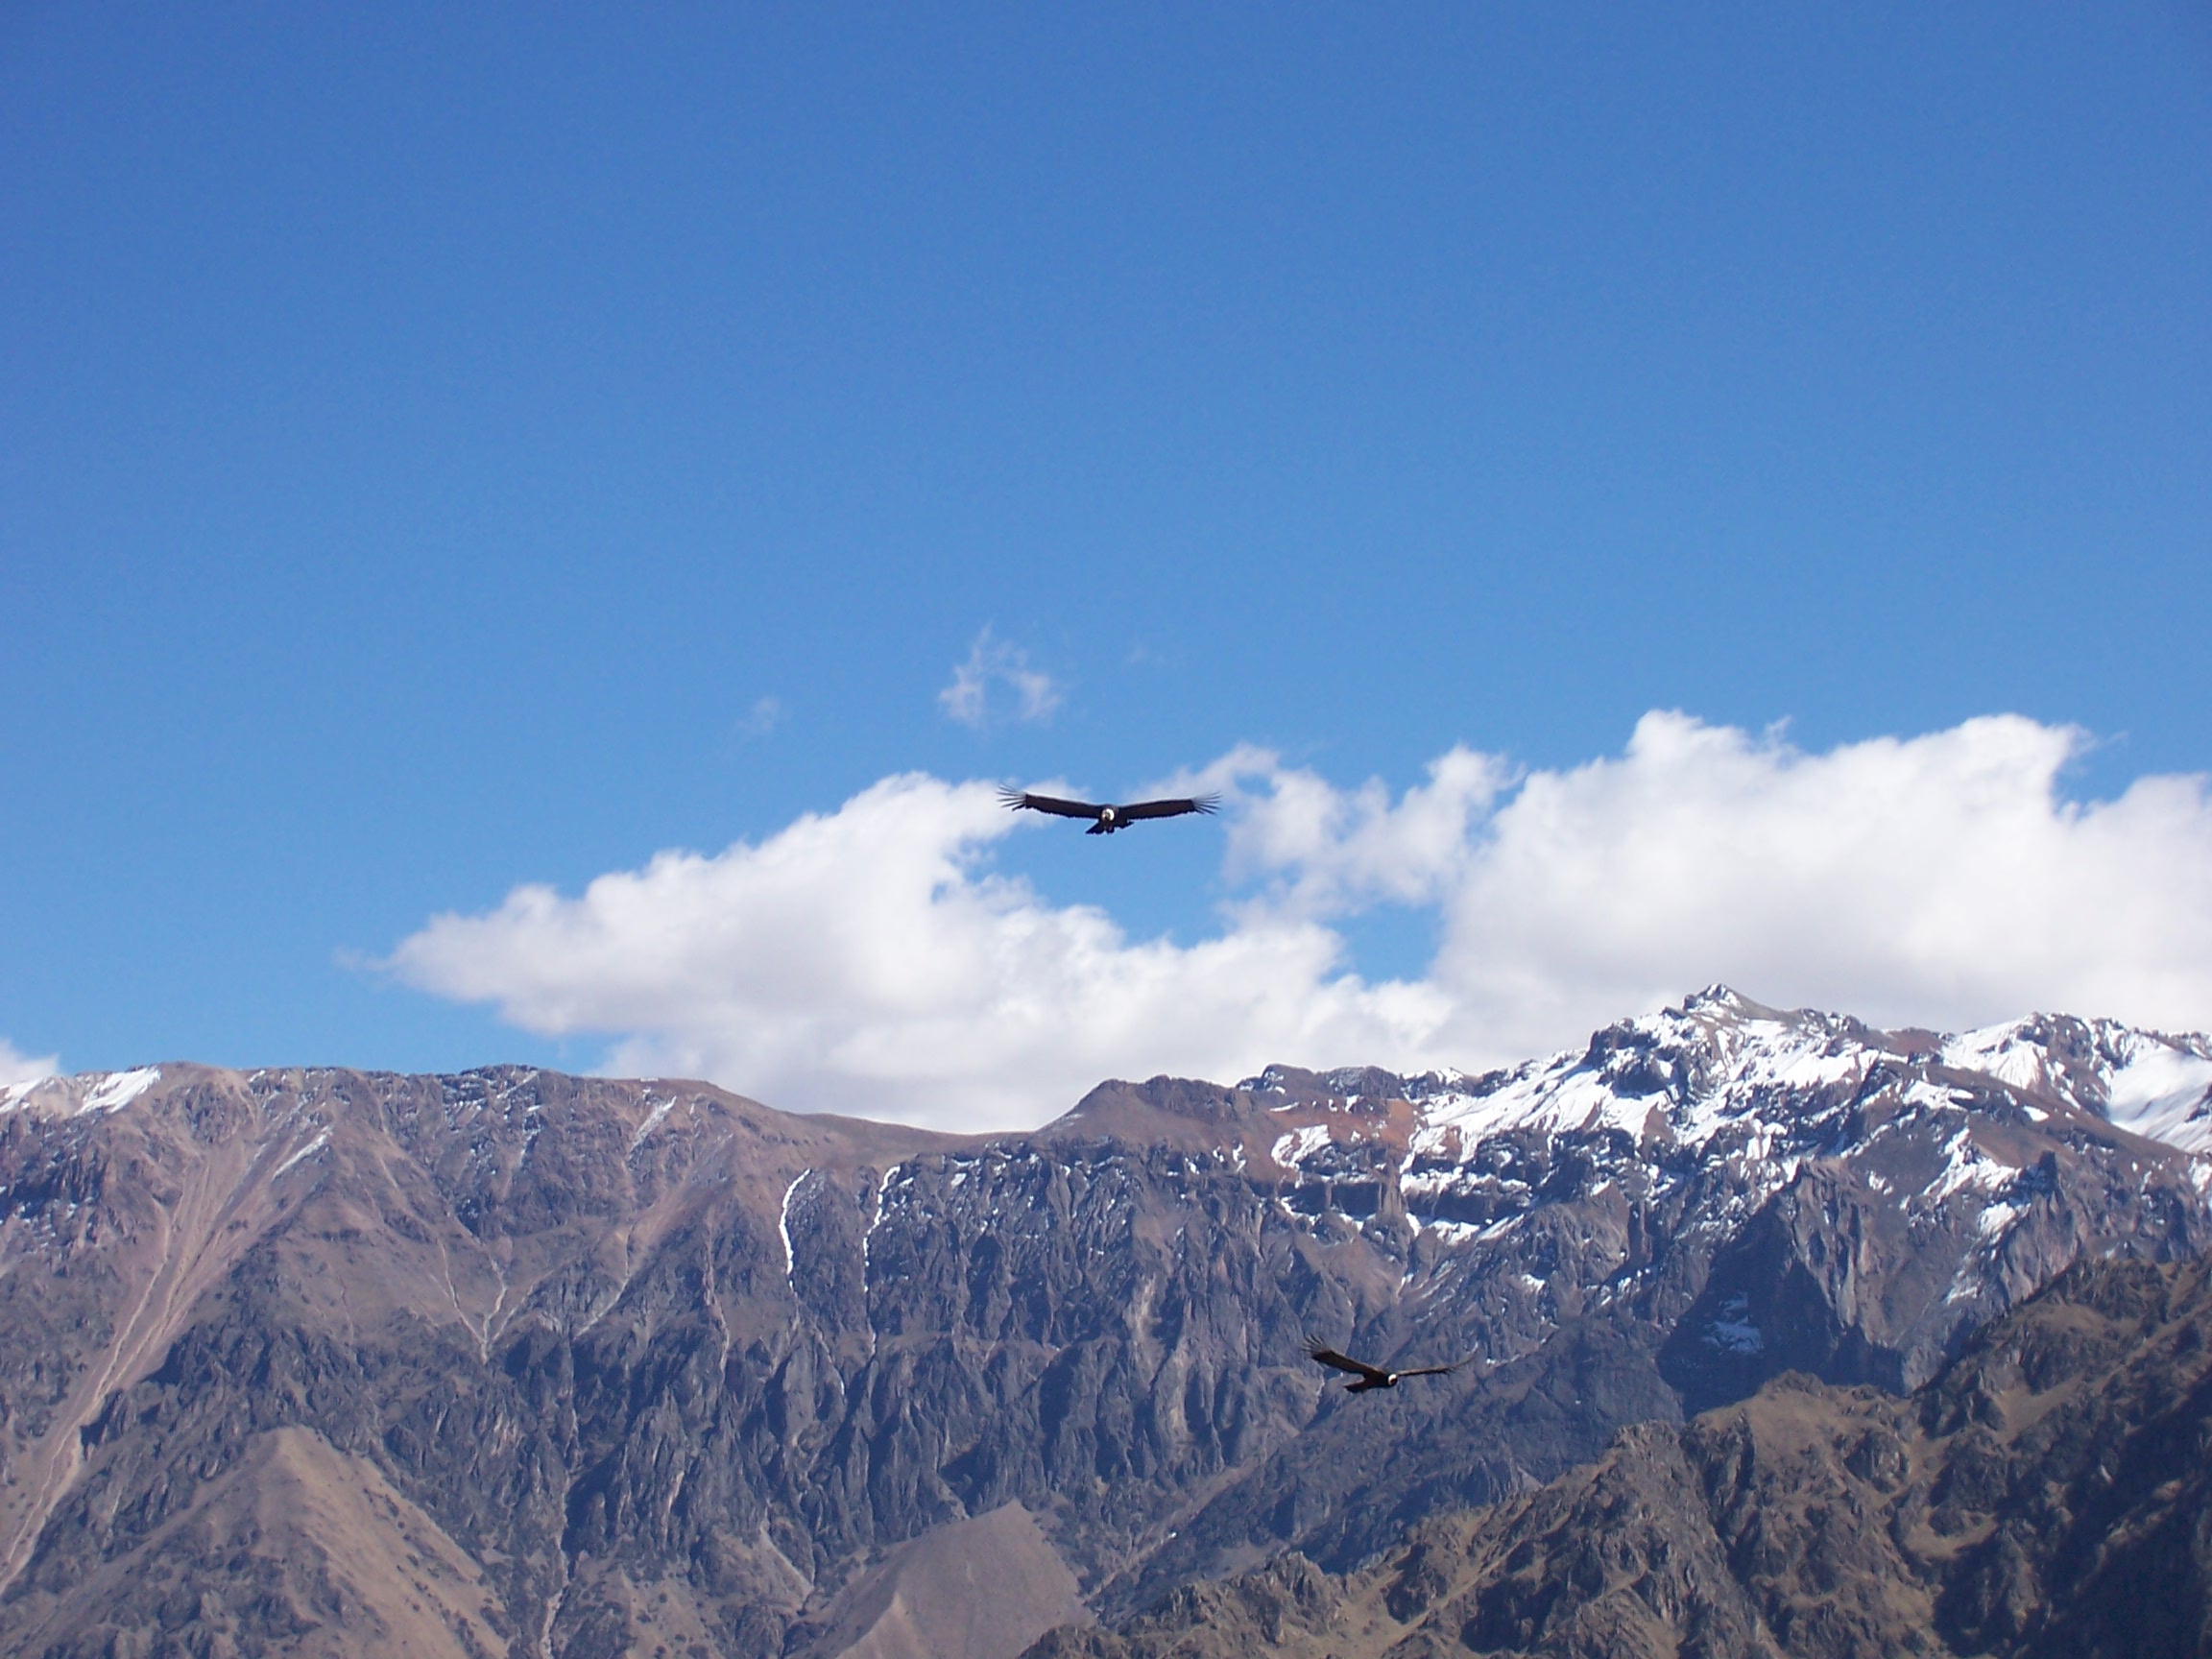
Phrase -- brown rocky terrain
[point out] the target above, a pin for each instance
(330, 1362)
(983, 1588)
(2050, 1493)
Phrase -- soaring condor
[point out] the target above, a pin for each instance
(1372, 1375)
(1106, 819)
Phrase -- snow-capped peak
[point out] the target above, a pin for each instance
(1683, 1074)
(1721, 1064)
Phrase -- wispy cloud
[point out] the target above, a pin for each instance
(872, 959)
(992, 662)
(764, 717)
(17, 1067)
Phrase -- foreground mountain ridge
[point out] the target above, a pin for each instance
(2045, 1494)
(637, 1365)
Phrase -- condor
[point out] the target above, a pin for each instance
(1372, 1375)
(1106, 819)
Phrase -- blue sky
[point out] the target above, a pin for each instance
(441, 452)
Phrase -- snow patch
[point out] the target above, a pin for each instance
(121, 1088)
(784, 1225)
(2005, 1053)
(14, 1095)
(307, 1151)
(1454, 1232)
(660, 1110)
(2164, 1093)
(1965, 1166)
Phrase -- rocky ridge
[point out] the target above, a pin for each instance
(2045, 1494)
(639, 1366)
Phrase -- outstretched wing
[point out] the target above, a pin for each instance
(1430, 1371)
(1016, 800)
(1343, 1362)
(1170, 809)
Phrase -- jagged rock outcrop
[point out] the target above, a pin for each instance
(637, 1365)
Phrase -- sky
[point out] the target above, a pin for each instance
(530, 535)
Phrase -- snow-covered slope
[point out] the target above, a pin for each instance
(2145, 1082)
(1767, 1083)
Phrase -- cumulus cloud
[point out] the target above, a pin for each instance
(1941, 879)
(869, 961)
(875, 960)
(992, 662)
(17, 1067)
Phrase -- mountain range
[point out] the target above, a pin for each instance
(326, 1361)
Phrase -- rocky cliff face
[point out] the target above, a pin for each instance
(2047, 1494)
(328, 1361)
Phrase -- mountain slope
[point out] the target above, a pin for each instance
(2046, 1494)
(673, 1369)
(300, 1545)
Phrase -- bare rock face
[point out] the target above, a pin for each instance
(510, 1361)
(2047, 1494)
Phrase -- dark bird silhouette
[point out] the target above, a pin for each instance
(1106, 818)
(1372, 1375)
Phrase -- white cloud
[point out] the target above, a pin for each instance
(1940, 879)
(869, 961)
(968, 699)
(872, 960)
(1331, 852)
(17, 1067)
